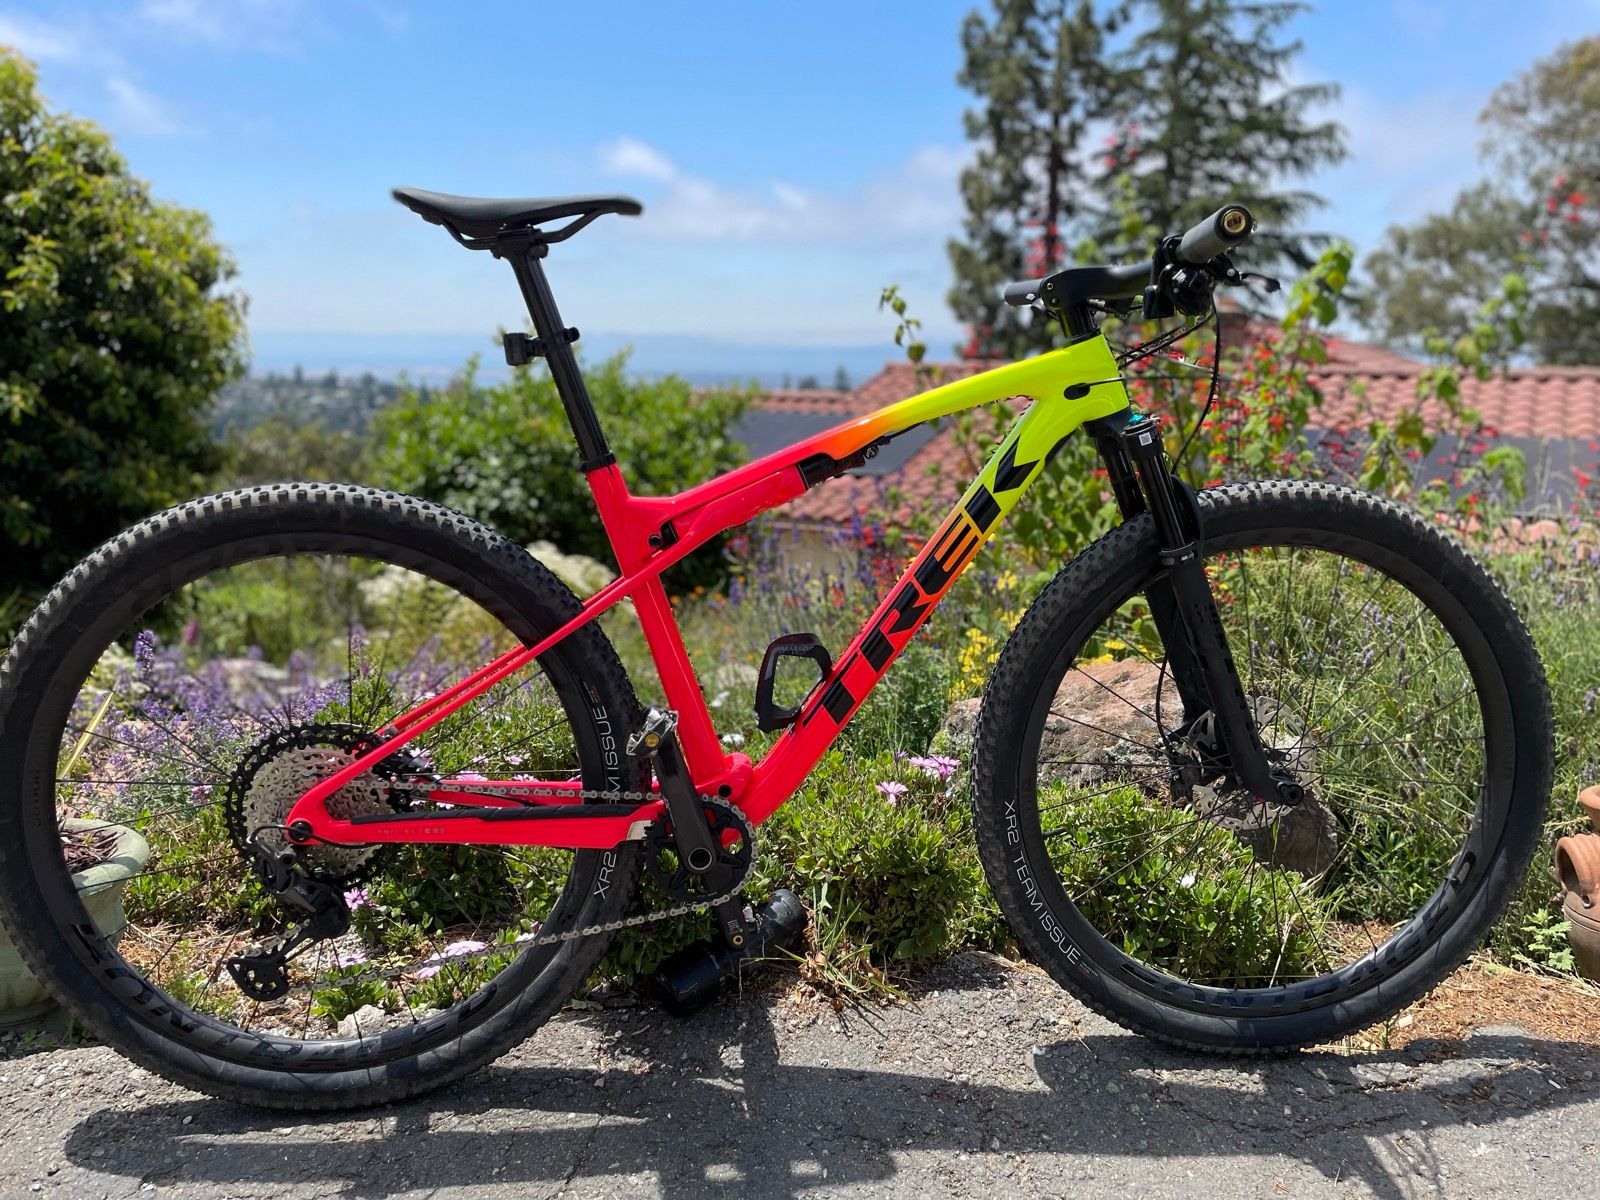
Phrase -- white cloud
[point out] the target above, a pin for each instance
(274, 26)
(40, 40)
(625, 156)
(137, 111)
(915, 199)
(1407, 159)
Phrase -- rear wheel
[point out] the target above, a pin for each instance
(191, 679)
(1388, 675)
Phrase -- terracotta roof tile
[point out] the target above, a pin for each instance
(812, 400)
(1358, 382)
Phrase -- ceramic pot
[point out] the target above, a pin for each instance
(22, 997)
(1578, 865)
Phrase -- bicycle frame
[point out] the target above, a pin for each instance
(648, 534)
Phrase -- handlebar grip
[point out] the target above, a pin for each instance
(1019, 295)
(1217, 234)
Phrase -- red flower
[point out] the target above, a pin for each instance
(1584, 480)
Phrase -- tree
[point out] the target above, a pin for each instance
(116, 337)
(1207, 113)
(1202, 111)
(1433, 275)
(1535, 217)
(505, 455)
(1038, 71)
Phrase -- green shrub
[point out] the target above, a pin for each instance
(891, 880)
(120, 329)
(504, 453)
(1216, 921)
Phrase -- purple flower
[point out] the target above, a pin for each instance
(940, 766)
(356, 897)
(891, 790)
(453, 950)
(345, 959)
(144, 650)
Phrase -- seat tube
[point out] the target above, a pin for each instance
(696, 731)
(526, 262)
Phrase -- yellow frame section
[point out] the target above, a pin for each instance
(1044, 378)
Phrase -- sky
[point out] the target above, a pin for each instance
(792, 159)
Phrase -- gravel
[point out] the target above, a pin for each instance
(992, 1083)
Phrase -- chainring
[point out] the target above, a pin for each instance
(675, 879)
(280, 768)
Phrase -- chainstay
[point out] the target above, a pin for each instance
(517, 948)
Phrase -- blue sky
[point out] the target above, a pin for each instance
(792, 158)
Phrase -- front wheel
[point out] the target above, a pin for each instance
(1387, 674)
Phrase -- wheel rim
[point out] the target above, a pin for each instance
(1374, 695)
(244, 674)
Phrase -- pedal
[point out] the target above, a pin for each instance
(771, 716)
(692, 977)
(659, 724)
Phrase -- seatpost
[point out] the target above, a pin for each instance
(556, 346)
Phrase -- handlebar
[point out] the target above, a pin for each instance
(1102, 283)
(1217, 234)
(1180, 274)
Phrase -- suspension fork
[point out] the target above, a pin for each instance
(1182, 604)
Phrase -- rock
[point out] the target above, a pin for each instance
(251, 679)
(1103, 715)
(579, 572)
(1302, 837)
(366, 1021)
(1102, 728)
(734, 676)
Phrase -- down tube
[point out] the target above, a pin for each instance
(1013, 467)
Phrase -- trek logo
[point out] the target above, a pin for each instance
(947, 554)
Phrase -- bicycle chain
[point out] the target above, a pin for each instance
(746, 830)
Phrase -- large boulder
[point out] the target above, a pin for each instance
(1101, 723)
(1102, 728)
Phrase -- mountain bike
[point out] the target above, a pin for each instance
(1256, 769)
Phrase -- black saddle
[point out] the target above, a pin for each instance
(471, 217)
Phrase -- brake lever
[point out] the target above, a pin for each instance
(1223, 271)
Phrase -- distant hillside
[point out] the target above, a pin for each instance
(344, 403)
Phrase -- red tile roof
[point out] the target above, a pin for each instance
(1358, 382)
(810, 400)
(1537, 402)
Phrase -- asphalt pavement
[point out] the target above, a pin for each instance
(993, 1084)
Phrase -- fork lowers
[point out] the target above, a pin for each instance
(1186, 606)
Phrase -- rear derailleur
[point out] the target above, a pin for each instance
(262, 972)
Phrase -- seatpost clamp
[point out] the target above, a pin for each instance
(521, 349)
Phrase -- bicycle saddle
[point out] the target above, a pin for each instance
(477, 217)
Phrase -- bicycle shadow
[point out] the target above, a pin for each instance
(725, 1116)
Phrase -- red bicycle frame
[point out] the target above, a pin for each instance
(648, 534)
